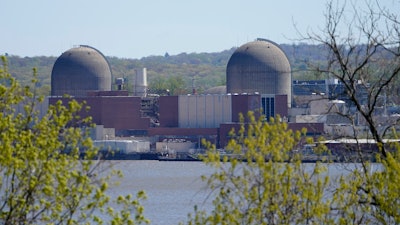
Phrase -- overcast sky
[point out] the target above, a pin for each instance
(135, 29)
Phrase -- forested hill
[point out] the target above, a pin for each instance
(180, 72)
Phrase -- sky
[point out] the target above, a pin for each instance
(136, 29)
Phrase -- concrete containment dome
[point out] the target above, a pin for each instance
(79, 70)
(259, 66)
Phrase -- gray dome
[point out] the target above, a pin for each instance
(80, 70)
(259, 66)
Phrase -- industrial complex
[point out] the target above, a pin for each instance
(259, 78)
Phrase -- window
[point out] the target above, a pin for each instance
(268, 106)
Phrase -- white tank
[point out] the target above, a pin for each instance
(140, 85)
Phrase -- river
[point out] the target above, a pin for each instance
(173, 188)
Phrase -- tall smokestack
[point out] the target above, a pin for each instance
(140, 87)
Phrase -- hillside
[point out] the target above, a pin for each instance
(176, 72)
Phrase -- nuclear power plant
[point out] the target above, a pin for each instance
(258, 76)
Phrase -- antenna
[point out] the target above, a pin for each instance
(194, 91)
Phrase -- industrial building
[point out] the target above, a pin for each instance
(258, 79)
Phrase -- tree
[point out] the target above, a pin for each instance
(173, 85)
(272, 186)
(363, 47)
(268, 184)
(365, 58)
(263, 181)
(43, 180)
(176, 85)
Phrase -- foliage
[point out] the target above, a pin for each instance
(369, 195)
(174, 85)
(43, 180)
(21, 69)
(268, 184)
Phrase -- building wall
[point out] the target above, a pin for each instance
(119, 112)
(95, 109)
(204, 111)
(312, 128)
(244, 103)
(175, 146)
(168, 111)
(225, 129)
(195, 135)
(40, 107)
(124, 146)
(281, 106)
(123, 113)
(166, 131)
(107, 93)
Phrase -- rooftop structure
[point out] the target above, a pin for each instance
(79, 70)
(259, 66)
